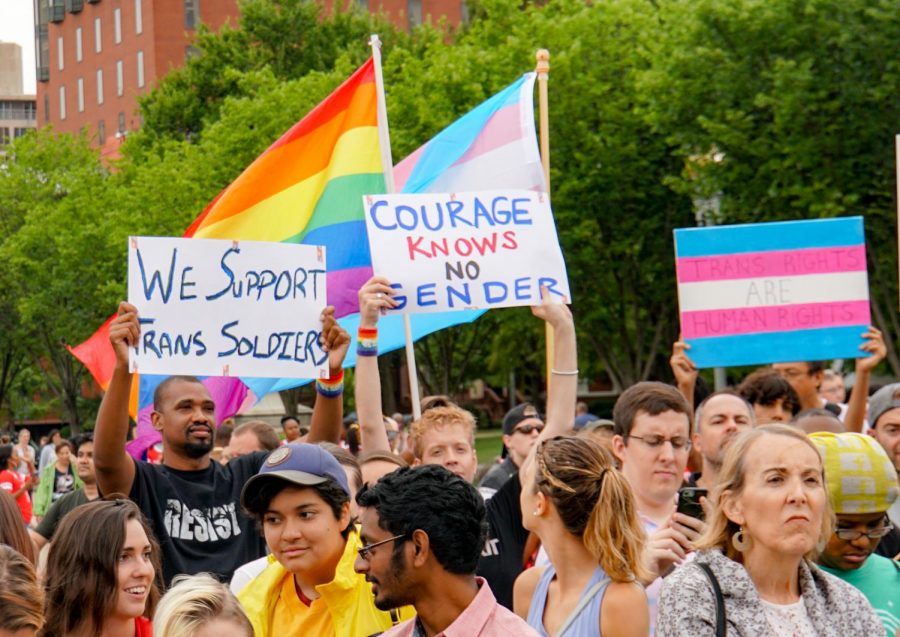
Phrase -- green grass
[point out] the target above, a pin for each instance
(488, 444)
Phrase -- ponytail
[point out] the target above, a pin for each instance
(613, 533)
(594, 503)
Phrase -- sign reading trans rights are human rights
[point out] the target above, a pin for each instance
(773, 292)
(466, 250)
(209, 307)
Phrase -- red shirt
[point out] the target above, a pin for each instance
(12, 482)
(142, 627)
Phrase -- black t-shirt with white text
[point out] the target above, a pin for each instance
(197, 518)
(501, 560)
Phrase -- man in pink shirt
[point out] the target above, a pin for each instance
(423, 530)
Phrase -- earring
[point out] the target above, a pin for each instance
(741, 541)
(534, 512)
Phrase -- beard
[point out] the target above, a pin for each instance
(395, 598)
(197, 450)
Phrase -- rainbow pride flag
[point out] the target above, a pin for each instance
(307, 187)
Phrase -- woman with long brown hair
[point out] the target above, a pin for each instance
(21, 597)
(12, 530)
(101, 573)
(583, 510)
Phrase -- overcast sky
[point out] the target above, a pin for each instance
(17, 25)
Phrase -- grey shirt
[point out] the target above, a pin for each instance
(687, 606)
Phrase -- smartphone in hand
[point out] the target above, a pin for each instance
(689, 502)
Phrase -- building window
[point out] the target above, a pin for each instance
(60, 57)
(191, 13)
(62, 102)
(80, 95)
(4, 136)
(98, 39)
(47, 108)
(19, 132)
(101, 132)
(191, 52)
(78, 53)
(99, 86)
(138, 17)
(117, 25)
(414, 12)
(120, 78)
(140, 68)
(121, 129)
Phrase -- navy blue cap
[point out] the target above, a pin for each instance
(298, 463)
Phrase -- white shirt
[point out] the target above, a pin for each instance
(789, 620)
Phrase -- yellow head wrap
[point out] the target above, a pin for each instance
(859, 476)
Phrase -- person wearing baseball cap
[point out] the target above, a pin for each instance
(301, 499)
(884, 423)
(861, 484)
(521, 427)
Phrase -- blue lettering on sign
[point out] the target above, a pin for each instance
(434, 216)
(253, 284)
(301, 347)
(165, 345)
(156, 279)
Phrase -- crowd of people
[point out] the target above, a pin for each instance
(763, 510)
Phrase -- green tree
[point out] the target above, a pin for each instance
(796, 102)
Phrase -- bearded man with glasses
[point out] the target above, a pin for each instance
(862, 486)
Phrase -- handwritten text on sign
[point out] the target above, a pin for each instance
(227, 308)
(466, 250)
(771, 292)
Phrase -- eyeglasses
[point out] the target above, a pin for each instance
(527, 429)
(365, 550)
(655, 442)
(851, 535)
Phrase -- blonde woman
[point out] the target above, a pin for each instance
(771, 516)
(583, 510)
(200, 606)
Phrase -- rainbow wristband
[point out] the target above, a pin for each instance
(331, 387)
(367, 342)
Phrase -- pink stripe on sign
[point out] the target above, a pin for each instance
(775, 263)
(775, 318)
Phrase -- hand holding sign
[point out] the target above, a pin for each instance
(334, 340)
(124, 332)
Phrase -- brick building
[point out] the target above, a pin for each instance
(95, 57)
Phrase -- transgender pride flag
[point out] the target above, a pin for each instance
(773, 292)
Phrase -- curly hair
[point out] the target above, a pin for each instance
(446, 507)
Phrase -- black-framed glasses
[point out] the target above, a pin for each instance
(851, 535)
(365, 550)
(679, 443)
(527, 429)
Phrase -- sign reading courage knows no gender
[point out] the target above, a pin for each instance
(466, 250)
(773, 292)
(210, 307)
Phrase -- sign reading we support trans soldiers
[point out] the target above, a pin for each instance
(211, 307)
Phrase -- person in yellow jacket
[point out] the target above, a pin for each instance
(302, 500)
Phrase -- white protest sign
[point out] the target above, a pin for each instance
(209, 307)
(466, 250)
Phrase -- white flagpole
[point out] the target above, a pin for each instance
(384, 141)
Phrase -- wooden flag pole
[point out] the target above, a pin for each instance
(387, 162)
(543, 75)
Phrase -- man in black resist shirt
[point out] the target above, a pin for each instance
(191, 502)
